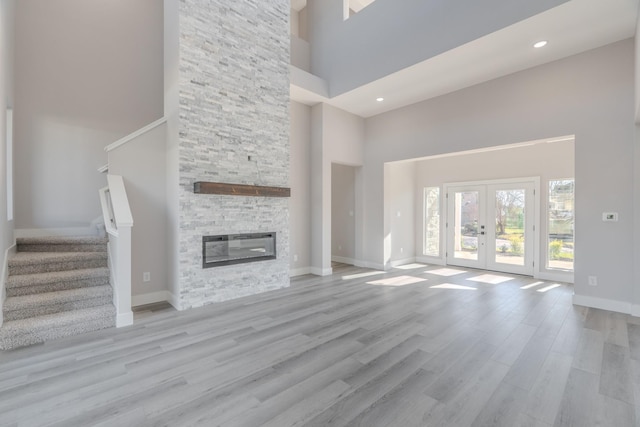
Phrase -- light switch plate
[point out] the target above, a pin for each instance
(610, 216)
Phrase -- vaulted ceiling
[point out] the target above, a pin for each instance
(572, 28)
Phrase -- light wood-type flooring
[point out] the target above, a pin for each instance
(416, 346)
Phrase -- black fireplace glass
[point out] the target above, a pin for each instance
(237, 248)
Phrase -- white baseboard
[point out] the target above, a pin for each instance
(430, 260)
(371, 265)
(554, 277)
(321, 271)
(299, 271)
(124, 319)
(48, 232)
(400, 262)
(603, 304)
(150, 298)
(343, 260)
(154, 297)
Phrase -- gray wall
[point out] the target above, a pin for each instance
(7, 40)
(87, 73)
(172, 114)
(7, 10)
(300, 179)
(588, 95)
(142, 164)
(356, 51)
(399, 206)
(343, 207)
(234, 103)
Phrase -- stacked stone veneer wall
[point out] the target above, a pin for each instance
(234, 103)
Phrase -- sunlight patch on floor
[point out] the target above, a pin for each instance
(397, 281)
(361, 275)
(411, 266)
(492, 279)
(446, 272)
(532, 285)
(454, 286)
(548, 288)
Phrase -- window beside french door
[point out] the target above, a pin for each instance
(560, 224)
(431, 246)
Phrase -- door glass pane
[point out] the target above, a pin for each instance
(432, 221)
(510, 226)
(466, 225)
(561, 233)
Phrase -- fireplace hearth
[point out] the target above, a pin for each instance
(231, 249)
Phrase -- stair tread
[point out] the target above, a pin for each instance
(27, 258)
(57, 297)
(20, 280)
(66, 318)
(62, 240)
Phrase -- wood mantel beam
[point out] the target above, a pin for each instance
(203, 187)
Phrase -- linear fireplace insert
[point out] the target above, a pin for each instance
(237, 248)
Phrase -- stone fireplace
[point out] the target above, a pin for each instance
(233, 129)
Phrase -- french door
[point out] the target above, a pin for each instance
(491, 226)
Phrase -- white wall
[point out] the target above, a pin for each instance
(7, 18)
(87, 73)
(300, 201)
(414, 30)
(399, 204)
(343, 206)
(336, 137)
(636, 179)
(636, 224)
(142, 164)
(171, 112)
(545, 160)
(588, 95)
(7, 99)
(637, 68)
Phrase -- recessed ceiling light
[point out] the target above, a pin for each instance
(380, 99)
(541, 43)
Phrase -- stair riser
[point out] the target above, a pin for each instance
(10, 342)
(61, 248)
(54, 287)
(59, 266)
(26, 313)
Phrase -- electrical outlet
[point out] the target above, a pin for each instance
(339, 247)
(401, 250)
(146, 276)
(593, 281)
(295, 258)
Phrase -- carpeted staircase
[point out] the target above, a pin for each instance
(57, 286)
